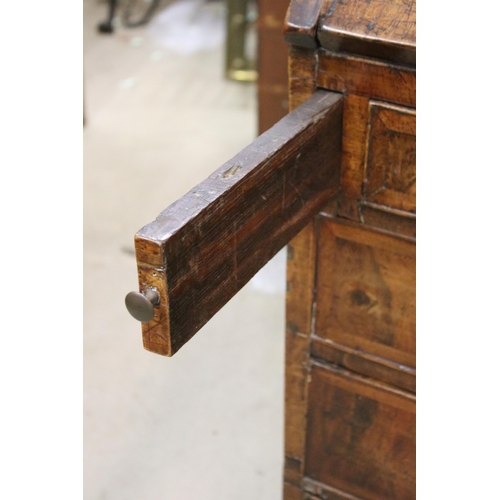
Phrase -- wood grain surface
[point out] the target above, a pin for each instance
(350, 331)
(396, 222)
(382, 29)
(391, 172)
(366, 292)
(384, 95)
(302, 71)
(291, 492)
(301, 23)
(301, 272)
(316, 490)
(360, 435)
(366, 77)
(206, 246)
(358, 361)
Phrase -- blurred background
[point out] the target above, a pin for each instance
(173, 89)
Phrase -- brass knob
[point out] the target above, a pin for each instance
(141, 305)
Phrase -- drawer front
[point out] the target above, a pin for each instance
(391, 157)
(360, 437)
(366, 293)
(378, 145)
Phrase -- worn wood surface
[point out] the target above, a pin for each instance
(301, 269)
(358, 361)
(350, 340)
(392, 224)
(291, 492)
(396, 222)
(360, 435)
(272, 84)
(391, 157)
(381, 29)
(350, 315)
(381, 95)
(301, 23)
(366, 292)
(367, 77)
(302, 71)
(354, 139)
(205, 247)
(301, 272)
(316, 490)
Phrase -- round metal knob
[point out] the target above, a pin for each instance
(141, 305)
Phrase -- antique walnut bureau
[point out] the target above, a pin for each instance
(335, 180)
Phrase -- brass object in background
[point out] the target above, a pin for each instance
(240, 66)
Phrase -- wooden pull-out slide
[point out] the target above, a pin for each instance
(206, 246)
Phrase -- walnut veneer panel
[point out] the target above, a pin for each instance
(391, 161)
(360, 436)
(383, 29)
(366, 292)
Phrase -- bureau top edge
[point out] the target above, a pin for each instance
(379, 29)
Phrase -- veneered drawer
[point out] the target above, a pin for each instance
(366, 292)
(360, 436)
(391, 157)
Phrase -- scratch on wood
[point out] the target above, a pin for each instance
(297, 191)
(231, 171)
(284, 192)
(331, 9)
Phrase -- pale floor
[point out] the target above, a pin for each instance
(206, 424)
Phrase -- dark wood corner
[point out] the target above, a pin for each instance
(301, 23)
